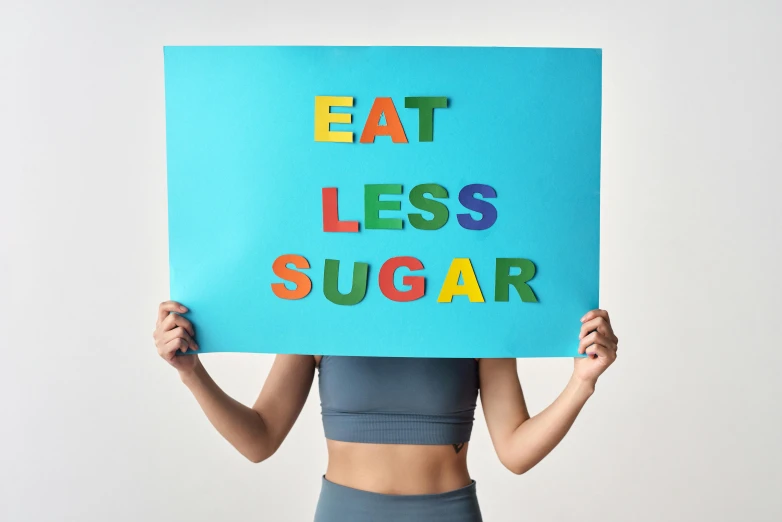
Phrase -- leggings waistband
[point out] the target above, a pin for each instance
(339, 503)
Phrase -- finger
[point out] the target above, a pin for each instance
(595, 338)
(595, 313)
(173, 346)
(598, 350)
(174, 320)
(598, 324)
(178, 332)
(166, 307)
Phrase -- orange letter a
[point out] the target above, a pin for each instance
(393, 127)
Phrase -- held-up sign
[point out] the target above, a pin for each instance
(384, 201)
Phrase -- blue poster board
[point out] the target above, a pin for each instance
(264, 162)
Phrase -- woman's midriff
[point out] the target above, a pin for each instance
(397, 469)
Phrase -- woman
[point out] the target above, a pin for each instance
(397, 429)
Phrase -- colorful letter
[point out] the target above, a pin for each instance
(416, 283)
(438, 210)
(393, 127)
(451, 287)
(503, 279)
(324, 118)
(331, 222)
(281, 270)
(426, 106)
(470, 202)
(373, 206)
(331, 283)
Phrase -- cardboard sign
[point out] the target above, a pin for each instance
(384, 201)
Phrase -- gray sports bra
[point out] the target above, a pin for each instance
(395, 400)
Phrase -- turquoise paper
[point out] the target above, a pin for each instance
(244, 186)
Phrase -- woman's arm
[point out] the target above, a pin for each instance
(259, 431)
(520, 441)
(255, 432)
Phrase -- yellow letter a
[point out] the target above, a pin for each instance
(451, 287)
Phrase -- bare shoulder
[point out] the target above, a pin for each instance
(289, 373)
(496, 363)
(288, 362)
(295, 357)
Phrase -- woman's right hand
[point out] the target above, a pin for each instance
(174, 333)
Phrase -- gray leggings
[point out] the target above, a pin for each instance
(343, 504)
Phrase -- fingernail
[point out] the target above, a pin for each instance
(183, 308)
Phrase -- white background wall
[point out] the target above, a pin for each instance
(686, 426)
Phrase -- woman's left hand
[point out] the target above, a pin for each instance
(599, 343)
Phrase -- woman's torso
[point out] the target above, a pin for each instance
(401, 425)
